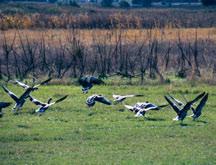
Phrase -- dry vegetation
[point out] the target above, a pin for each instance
(28, 16)
(62, 41)
(130, 44)
(149, 53)
(130, 35)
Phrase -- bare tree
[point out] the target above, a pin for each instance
(7, 48)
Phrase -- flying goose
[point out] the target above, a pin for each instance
(44, 106)
(121, 98)
(182, 112)
(141, 108)
(3, 105)
(87, 82)
(91, 100)
(198, 110)
(142, 111)
(25, 86)
(19, 100)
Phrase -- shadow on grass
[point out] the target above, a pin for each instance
(23, 126)
(91, 113)
(184, 124)
(121, 110)
(153, 119)
(201, 121)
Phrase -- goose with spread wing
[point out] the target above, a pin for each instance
(87, 82)
(121, 98)
(91, 100)
(35, 87)
(182, 111)
(178, 102)
(141, 108)
(44, 106)
(198, 110)
(19, 100)
(3, 105)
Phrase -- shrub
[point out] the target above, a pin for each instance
(124, 4)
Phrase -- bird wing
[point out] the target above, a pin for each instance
(173, 105)
(43, 82)
(129, 107)
(25, 86)
(116, 96)
(46, 81)
(162, 106)
(150, 105)
(103, 100)
(133, 95)
(125, 96)
(142, 105)
(36, 102)
(4, 104)
(128, 96)
(201, 104)
(61, 99)
(140, 113)
(11, 94)
(83, 81)
(197, 98)
(95, 80)
(86, 89)
(176, 100)
(190, 103)
(26, 94)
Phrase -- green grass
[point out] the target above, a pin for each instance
(69, 134)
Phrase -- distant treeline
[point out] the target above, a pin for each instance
(54, 17)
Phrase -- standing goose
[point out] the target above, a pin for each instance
(182, 112)
(198, 111)
(3, 105)
(88, 82)
(91, 100)
(19, 100)
(44, 106)
(121, 98)
(25, 86)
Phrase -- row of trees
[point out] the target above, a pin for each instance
(110, 54)
(110, 20)
(147, 3)
(126, 4)
(108, 3)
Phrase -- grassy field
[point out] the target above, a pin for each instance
(69, 133)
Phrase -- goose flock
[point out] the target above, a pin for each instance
(87, 82)
(141, 108)
(19, 101)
